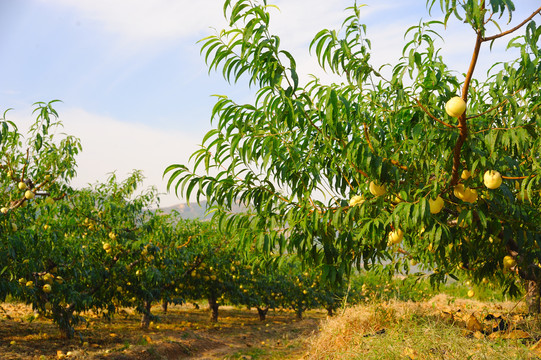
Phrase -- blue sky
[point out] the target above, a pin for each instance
(133, 85)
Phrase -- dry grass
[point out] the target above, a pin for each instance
(440, 328)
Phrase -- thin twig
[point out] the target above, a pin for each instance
(504, 129)
(516, 177)
(490, 38)
(425, 110)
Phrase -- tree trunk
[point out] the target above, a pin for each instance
(64, 319)
(145, 319)
(165, 304)
(330, 311)
(262, 313)
(195, 305)
(299, 313)
(533, 297)
(213, 307)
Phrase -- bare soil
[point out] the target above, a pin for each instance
(182, 333)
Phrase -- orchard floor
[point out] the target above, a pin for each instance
(182, 333)
(442, 327)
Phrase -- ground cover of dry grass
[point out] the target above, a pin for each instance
(439, 328)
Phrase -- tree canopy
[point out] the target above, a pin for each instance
(375, 168)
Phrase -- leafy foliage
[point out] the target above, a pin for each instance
(70, 251)
(300, 152)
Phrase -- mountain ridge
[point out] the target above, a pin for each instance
(193, 210)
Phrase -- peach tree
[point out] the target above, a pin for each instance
(204, 272)
(409, 162)
(81, 251)
(34, 174)
(258, 283)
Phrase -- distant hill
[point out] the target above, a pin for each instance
(195, 211)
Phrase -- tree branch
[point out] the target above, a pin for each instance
(462, 125)
(517, 177)
(490, 38)
(432, 116)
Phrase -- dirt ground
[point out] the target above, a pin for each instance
(182, 333)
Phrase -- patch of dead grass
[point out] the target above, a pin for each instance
(433, 329)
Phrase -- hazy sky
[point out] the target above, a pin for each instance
(135, 88)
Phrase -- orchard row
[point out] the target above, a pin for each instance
(102, 249)
(68, 251)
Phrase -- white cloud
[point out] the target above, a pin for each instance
(142, 26)
(144, 20)
(10, 92)
(110, 145)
